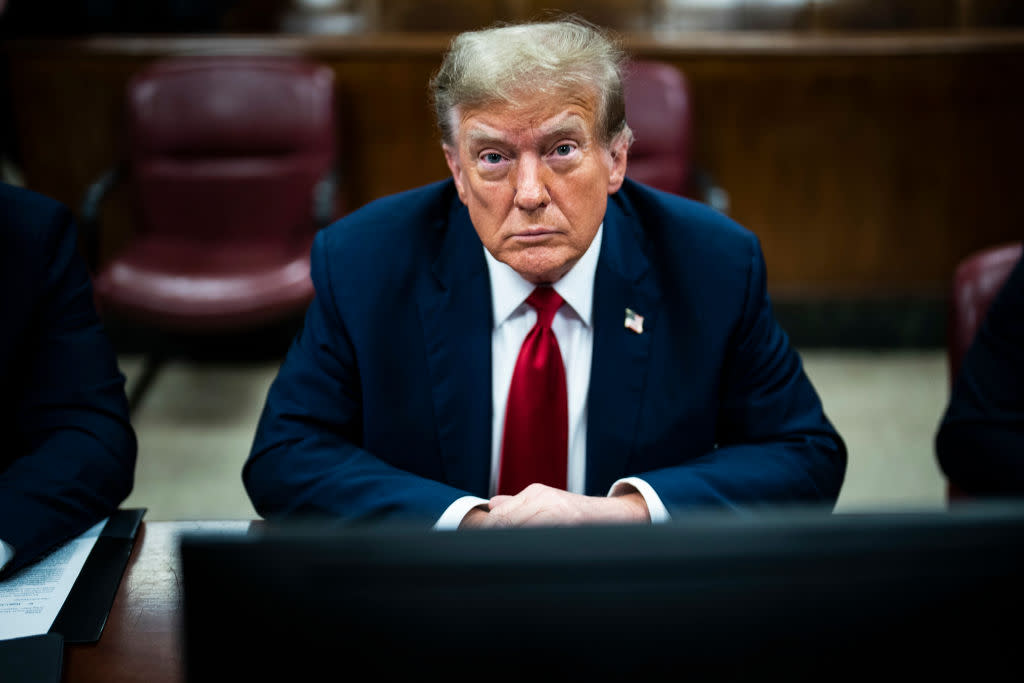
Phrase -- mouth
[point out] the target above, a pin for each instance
(534, 235)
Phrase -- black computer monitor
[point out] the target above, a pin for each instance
(788, 594)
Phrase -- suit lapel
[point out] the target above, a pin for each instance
(621, 356)
(455, 309)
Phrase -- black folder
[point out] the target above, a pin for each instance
(84, 614)
(32, 659)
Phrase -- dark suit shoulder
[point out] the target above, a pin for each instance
(30, 218)
(672, 223)
(36, 231)
(390, 242)
(22, 202)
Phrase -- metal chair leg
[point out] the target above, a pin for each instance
(150, 367)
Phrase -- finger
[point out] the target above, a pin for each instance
(532, 513)
(507, 504)
(535, 499)
(554, 507)
(498, 500)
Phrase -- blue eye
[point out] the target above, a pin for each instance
(492, 158)
(563, 150)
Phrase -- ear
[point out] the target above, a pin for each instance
(451, 156)
(618, 152)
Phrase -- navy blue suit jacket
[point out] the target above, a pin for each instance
(980, 441)
(382, 407)
(68, 458)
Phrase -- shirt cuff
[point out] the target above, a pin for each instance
(6, 553)
(456, 512)
(656, 509)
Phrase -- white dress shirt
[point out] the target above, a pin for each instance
(574, 330)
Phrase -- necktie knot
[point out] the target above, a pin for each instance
(547, 302)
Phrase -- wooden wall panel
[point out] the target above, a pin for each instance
(68, 118)
(392, 143)
(861, 173)
(890, 15)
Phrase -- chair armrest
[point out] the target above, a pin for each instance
(89, 212)
(707, 191)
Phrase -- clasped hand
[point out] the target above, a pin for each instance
(540, 505)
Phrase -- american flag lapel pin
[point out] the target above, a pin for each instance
(634, 321)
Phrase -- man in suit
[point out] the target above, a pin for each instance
(401, 397)
(980, 441)
(69, 452)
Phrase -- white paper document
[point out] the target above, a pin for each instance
(32, 597)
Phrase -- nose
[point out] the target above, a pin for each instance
(531, 191)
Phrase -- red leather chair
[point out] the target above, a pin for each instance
(659, 111)
(231, 166)
(976, 281)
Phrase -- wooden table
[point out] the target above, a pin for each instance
(142, 640)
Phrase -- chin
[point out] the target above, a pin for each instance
(540, 265)
(542, 276)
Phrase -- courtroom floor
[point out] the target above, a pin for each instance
(196, 421)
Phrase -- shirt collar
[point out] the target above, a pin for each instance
(509, 289)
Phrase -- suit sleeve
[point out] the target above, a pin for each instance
(307, 458)
(774, 443)
(980, 441)
(76, 447)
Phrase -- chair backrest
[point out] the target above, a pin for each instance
(976, 281)
(658, 109)
(227, 148)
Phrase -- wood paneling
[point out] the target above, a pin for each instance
(864, 173)
(868, 164)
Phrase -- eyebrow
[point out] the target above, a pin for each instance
(484, 138)
(568, 127)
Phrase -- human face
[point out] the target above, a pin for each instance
(535, 179)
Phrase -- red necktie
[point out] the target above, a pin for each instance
(536, 440)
